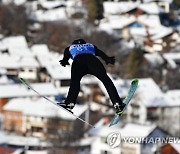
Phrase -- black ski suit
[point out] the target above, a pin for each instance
(84, 64)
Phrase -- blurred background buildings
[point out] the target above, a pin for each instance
(143, 35)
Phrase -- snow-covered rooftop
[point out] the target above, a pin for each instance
(15, 41)
(50, 15)
(116, 22)
(17, 2)
(40, 49)
(53, 4)
(147, 1)
(160, 32)
(154, 58)
(119, 7)
(4, 80)
(123, 7)
(149, 24)
(16, 45)
(149, 20)
(20, 51)
(57, 72)
(12, 139)
(19, 90)
(49, 59)
(16, 62)
(86, 141)
(150, 8)
(176, 146)
(42, 108)
(150, 94)
(129, 130)
(172, 58)
(174, 97)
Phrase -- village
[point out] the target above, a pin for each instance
(146, 47)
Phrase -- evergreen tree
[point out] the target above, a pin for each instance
(176, 2)
(95, 10)
(135, 60)
(175, 5)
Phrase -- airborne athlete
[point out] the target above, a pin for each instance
(85, 62)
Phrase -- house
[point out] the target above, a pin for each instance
(9, 91)
(35, 117)
(162, 39)
(117, 24)
(45, 59)
(16, 45)
(169, 60)
(172, 148)
(53, 72)
(174, 98)
(16, 59)
(56, 10)
(139, 134)
(16, 144)
(117, 8)
(140, 22)
(93, 145)
(145, 30)
(50, 15)
(48, 10)
(148, 103)
(17, 66)
(6, 150)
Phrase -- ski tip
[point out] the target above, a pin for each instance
(135, 81)
(111, 124)
(21, 79)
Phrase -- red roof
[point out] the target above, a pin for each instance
(4, 150)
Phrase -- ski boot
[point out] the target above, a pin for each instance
(119, 107)
(68, 107)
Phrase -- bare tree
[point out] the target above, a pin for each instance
(13, 20)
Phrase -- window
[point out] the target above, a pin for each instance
(30, 70)
(105, 152)
(65, 83)
(36, 129)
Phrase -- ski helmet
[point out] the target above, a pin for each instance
(79, 41)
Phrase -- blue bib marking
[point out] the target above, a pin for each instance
(77, 49)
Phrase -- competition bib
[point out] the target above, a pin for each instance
(77, 49)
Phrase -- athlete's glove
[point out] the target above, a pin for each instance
(110, 60)
(64, 63)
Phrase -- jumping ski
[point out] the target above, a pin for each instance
(27, 85)
(132, 89)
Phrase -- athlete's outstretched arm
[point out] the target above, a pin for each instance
(106, 58)
(66, 57)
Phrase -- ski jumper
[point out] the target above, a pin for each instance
(85, 62)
